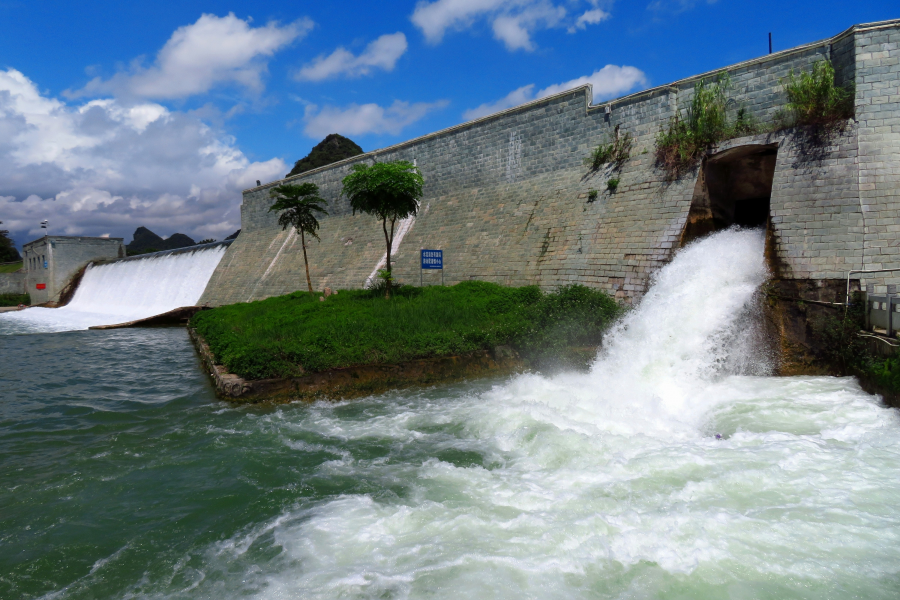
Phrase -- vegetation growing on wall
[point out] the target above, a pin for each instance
(616, 152)
(814, 98)
(288, 335)
(846, 352)
(681, 144)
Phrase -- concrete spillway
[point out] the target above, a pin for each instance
(125, 290)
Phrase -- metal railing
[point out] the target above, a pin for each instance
(847, 299)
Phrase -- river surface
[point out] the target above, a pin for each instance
(676, 468)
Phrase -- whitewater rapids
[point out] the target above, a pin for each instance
(124, 291)
(676, 468)
(611, 484)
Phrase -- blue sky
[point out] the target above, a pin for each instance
(115, 115)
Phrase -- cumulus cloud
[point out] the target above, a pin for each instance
(106, 166)
(589, 17)
(607, 82)
(383, 53)
(213, 51)
(362, 119)
(513, 22)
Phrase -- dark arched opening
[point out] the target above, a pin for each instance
(734, 187)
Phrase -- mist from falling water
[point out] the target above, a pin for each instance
(124, 291)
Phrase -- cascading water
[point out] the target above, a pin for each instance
(124, 291)
(609, 484)
(673, 469)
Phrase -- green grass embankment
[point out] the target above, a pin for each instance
(14, 299)
(11, 267)
(287, 335)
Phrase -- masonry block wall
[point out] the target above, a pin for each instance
(878, 113)
(12, 283)
(506, 196)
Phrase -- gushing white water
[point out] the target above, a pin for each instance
(610, 484)
(124, 291)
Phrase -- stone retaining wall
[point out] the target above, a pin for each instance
(506, 196)
(12, 283)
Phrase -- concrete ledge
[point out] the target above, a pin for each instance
(177, 316)
(352, 382)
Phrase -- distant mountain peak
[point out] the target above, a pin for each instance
(144, 239)
(333, 148)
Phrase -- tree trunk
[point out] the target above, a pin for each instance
(306, 261)
(389, 240)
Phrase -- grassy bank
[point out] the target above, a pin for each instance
(14, 299)
(11, 267)
(287, 335)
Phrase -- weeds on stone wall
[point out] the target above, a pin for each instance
(615, 152)
(687, 137)
(612, 185)
(814, 99)
(846, 352)
(840, 345)
(681, 144)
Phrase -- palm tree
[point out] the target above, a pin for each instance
(298, 205)
(389, 191)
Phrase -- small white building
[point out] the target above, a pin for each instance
(53, 260)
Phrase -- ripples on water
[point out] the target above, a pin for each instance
(123, 477)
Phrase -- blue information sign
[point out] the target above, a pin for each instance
(432, 259)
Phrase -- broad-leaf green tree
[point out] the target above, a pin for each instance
(298, 205)
(389, 191)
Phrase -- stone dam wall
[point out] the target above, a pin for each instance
(506, 196)
(12, 283)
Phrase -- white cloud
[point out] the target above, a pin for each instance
(383, 53)
(512, 21)
(362, 119)
(607, 82)
(108, 167)
(212, 51)
(589, 17)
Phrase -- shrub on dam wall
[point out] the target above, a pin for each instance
(289, 335)
(815, 99)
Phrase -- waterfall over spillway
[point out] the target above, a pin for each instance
(673, 469)
(124, 291)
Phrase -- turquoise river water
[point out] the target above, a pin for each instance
(122, 476)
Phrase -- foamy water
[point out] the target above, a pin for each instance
(609, 484)
(124, 291)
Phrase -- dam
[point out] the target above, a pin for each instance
(508, 198)
(124, 290)
(675, 467)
